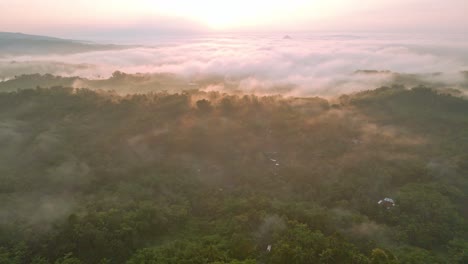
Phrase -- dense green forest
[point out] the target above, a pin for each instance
(204, 177)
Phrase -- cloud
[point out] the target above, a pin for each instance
(305, 65)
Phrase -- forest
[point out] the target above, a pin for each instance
(93, 176)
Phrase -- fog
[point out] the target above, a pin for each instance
(306, 64)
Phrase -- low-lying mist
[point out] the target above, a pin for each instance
(236, 149)
(303, 65)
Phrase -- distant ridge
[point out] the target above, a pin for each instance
(13, 43)
(18, 35)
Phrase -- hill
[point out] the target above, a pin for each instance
(195, 177)
(23, 44)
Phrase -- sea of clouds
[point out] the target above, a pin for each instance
(305, 64)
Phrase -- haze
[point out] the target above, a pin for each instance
(325, 64)
(141, 17)
(233, 132)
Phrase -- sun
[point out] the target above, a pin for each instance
(213, 13)
(222, 15)
(221, 20)
(237, 14)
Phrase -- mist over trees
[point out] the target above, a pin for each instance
(309, 64)
(89, 176)
(126, 83)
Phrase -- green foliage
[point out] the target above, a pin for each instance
(204, 251)
(427, 217)
(458, 250)
(299, 244)
(195, 177)
(379, 256)
(414, 255)
(68, 259)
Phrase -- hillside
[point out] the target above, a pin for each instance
(195, 177)
(119, 82)
(23, 44)
(126, 83)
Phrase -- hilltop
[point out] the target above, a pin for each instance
(24, 44)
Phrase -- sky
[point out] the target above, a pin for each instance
(66, 18)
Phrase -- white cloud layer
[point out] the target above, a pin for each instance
(312, 64)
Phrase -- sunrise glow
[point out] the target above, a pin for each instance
(53, 16)
(234, 14)
(233, 131)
